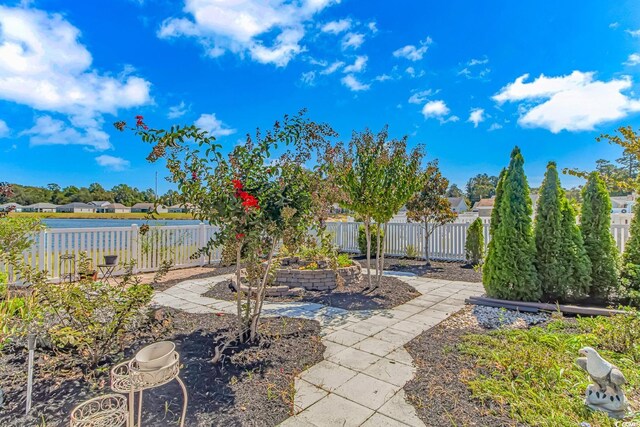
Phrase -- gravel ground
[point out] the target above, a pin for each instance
(392, 292)
(251, 386)
(494, 318)
(176, 276)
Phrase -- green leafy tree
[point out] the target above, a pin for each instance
(558, 253)
(595, 224)
(481, 186)
(512, 274)
(454, 191)
(474, 245)
(252, 199)
(428, 207)
(488, 268)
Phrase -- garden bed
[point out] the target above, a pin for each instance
(446, 270)
(392, 292)
(517, 375)
(251, 386)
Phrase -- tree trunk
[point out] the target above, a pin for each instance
(427, 234)
(381, 249)
(260, 293)
(239, 293)
(367, 232)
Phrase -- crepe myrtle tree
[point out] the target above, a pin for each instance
(377, 177)
(428, 206)
(250, 195)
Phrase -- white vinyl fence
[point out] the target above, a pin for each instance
(178, 244)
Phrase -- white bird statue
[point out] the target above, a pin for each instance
(606, 394)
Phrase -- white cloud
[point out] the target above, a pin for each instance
(420, 97)
(476, 116)
(372, 27)
(634, 33)
(495, 126)
(435, 109)
(308, 78)
(43, 65)
(50, 131)
(475, 69)
(412, 52)
(215, 127)
(573, 102)
(113, 163)
(352, 40)
(353, 83)
(614, 25)
(177, 111)
(413, 73)
(359, 65)
(333, 68)
(383, 78)
(4, 129)
(246, 26)
(634, 59)
(336, 27)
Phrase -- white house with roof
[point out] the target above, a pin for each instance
(11, 206)
(458, 204)
(40, 207)
(76, 207)
(114, 208)
(148, 207)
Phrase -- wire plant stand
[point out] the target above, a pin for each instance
(116, 410)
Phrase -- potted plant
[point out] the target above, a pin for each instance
(85, 268)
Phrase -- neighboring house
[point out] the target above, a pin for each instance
(458, 204)
(484, 207)
(40, 207)
(77, 207)
(623, 204)
(100, 203)
(177, 209)
(148, 207)
(11, 206)
(115, 208)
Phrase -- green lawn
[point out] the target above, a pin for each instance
(532, 376)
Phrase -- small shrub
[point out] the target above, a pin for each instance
(362, 238)
(411, 251)
(92, 317)
(474, 246)
(343, 261)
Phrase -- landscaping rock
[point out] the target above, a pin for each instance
(494, 318)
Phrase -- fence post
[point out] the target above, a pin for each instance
(41, 250)
(202, 240)
(133, 246)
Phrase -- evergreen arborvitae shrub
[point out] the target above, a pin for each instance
(595, 225)
(631, 260)
(362, 238)
(562, 263)
(474, 246)
(513, 273)
(489, 264)
(576, 262)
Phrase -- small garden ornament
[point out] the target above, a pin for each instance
(605, 394)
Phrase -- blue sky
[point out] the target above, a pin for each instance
(468, 79)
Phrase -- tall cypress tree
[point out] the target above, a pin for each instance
(576, 263)
(513, 273)
(488, 269)
(595, 224)
(548, 237)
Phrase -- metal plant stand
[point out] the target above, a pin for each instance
(104, 411)
(67, 266)
(107, 271)
(126, 377)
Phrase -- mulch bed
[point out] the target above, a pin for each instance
(391, 292)
(438, 270)
(173, 277)
(251, 386)
(438, 391)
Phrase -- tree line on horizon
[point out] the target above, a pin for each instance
(54, 193)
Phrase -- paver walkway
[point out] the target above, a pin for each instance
(360, 381)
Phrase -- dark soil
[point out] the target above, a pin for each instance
(173, 277)
(251, 386)
(392, 292)
(438, 270)
(438, 391)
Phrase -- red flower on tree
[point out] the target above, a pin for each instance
(239, 236)
(236, 184)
